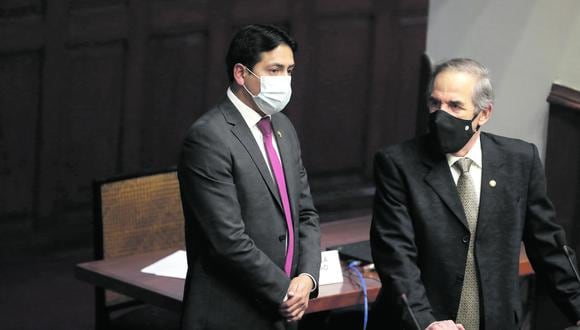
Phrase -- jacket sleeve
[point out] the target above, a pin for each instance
(393, 244)
(546, 255)
(309, 230)
(209, 197)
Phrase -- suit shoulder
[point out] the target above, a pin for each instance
(506, 141)
(207, 138)
(283, 120)
(210, 125)
(409, 150)
(511, 146)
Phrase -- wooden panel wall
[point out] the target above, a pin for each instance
(563, 180)
(95, 88)
(563, 159)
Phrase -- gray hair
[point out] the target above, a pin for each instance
(483, 90)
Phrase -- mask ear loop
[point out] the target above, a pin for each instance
(244, 85)
(478, 126)
(252, 72)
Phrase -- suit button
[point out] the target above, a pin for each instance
(465, 239)
(282, 238)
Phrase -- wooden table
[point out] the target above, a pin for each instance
(124, 276)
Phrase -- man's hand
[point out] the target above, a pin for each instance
(445, 325)
(296, 301)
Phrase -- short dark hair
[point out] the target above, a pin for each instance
(252, 40)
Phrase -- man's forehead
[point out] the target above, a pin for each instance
(456, 77)
(278, 63)
(281, 55)
(448, 97)
(454, 83)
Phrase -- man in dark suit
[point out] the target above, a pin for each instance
(451, 210)
(252, 233)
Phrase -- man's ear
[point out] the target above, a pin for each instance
(485, 115)
(239, 74)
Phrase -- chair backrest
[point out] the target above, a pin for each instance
(137, 214)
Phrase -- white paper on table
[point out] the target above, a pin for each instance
(174, 265)
(330, 268)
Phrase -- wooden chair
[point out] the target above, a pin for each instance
(134, 214)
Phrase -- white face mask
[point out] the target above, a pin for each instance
(275, 93)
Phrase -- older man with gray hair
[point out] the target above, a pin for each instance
(451, 210)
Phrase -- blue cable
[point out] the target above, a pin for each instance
(353, 266)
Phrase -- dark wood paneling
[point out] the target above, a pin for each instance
(302, 22)
(52, 95)
(21, 25)
(563, 181)
(134, 102)
(384, 59)
(112, 85)
(19, 84)
(565, 97)
(24, 35)
(170, 17)
(563, 158)
(258, 11)
(220, 31)
(337, 117)
(349, 7)
(412, 36)
(98, 25)
(395, 76)
(83, 137)
(75, 4)
(175, 96)
(20, 8)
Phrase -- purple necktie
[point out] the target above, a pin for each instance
(265, 127)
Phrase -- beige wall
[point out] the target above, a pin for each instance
(526, 44)
(569, 72)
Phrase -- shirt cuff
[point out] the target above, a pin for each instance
(313, 281)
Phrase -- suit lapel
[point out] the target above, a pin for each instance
(242, 132)
(440, 179)
(492, 176)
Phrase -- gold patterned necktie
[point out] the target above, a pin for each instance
(468, 313)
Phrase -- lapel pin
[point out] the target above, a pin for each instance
(279, 134)
(492, 183)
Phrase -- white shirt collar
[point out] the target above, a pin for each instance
(251, 117)
(474, 154)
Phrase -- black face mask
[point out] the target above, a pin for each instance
(451, 133)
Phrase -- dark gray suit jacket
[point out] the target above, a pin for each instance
(419, 234)
(235, 226)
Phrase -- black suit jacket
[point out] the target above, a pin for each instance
(235, 226)
(419, 234)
